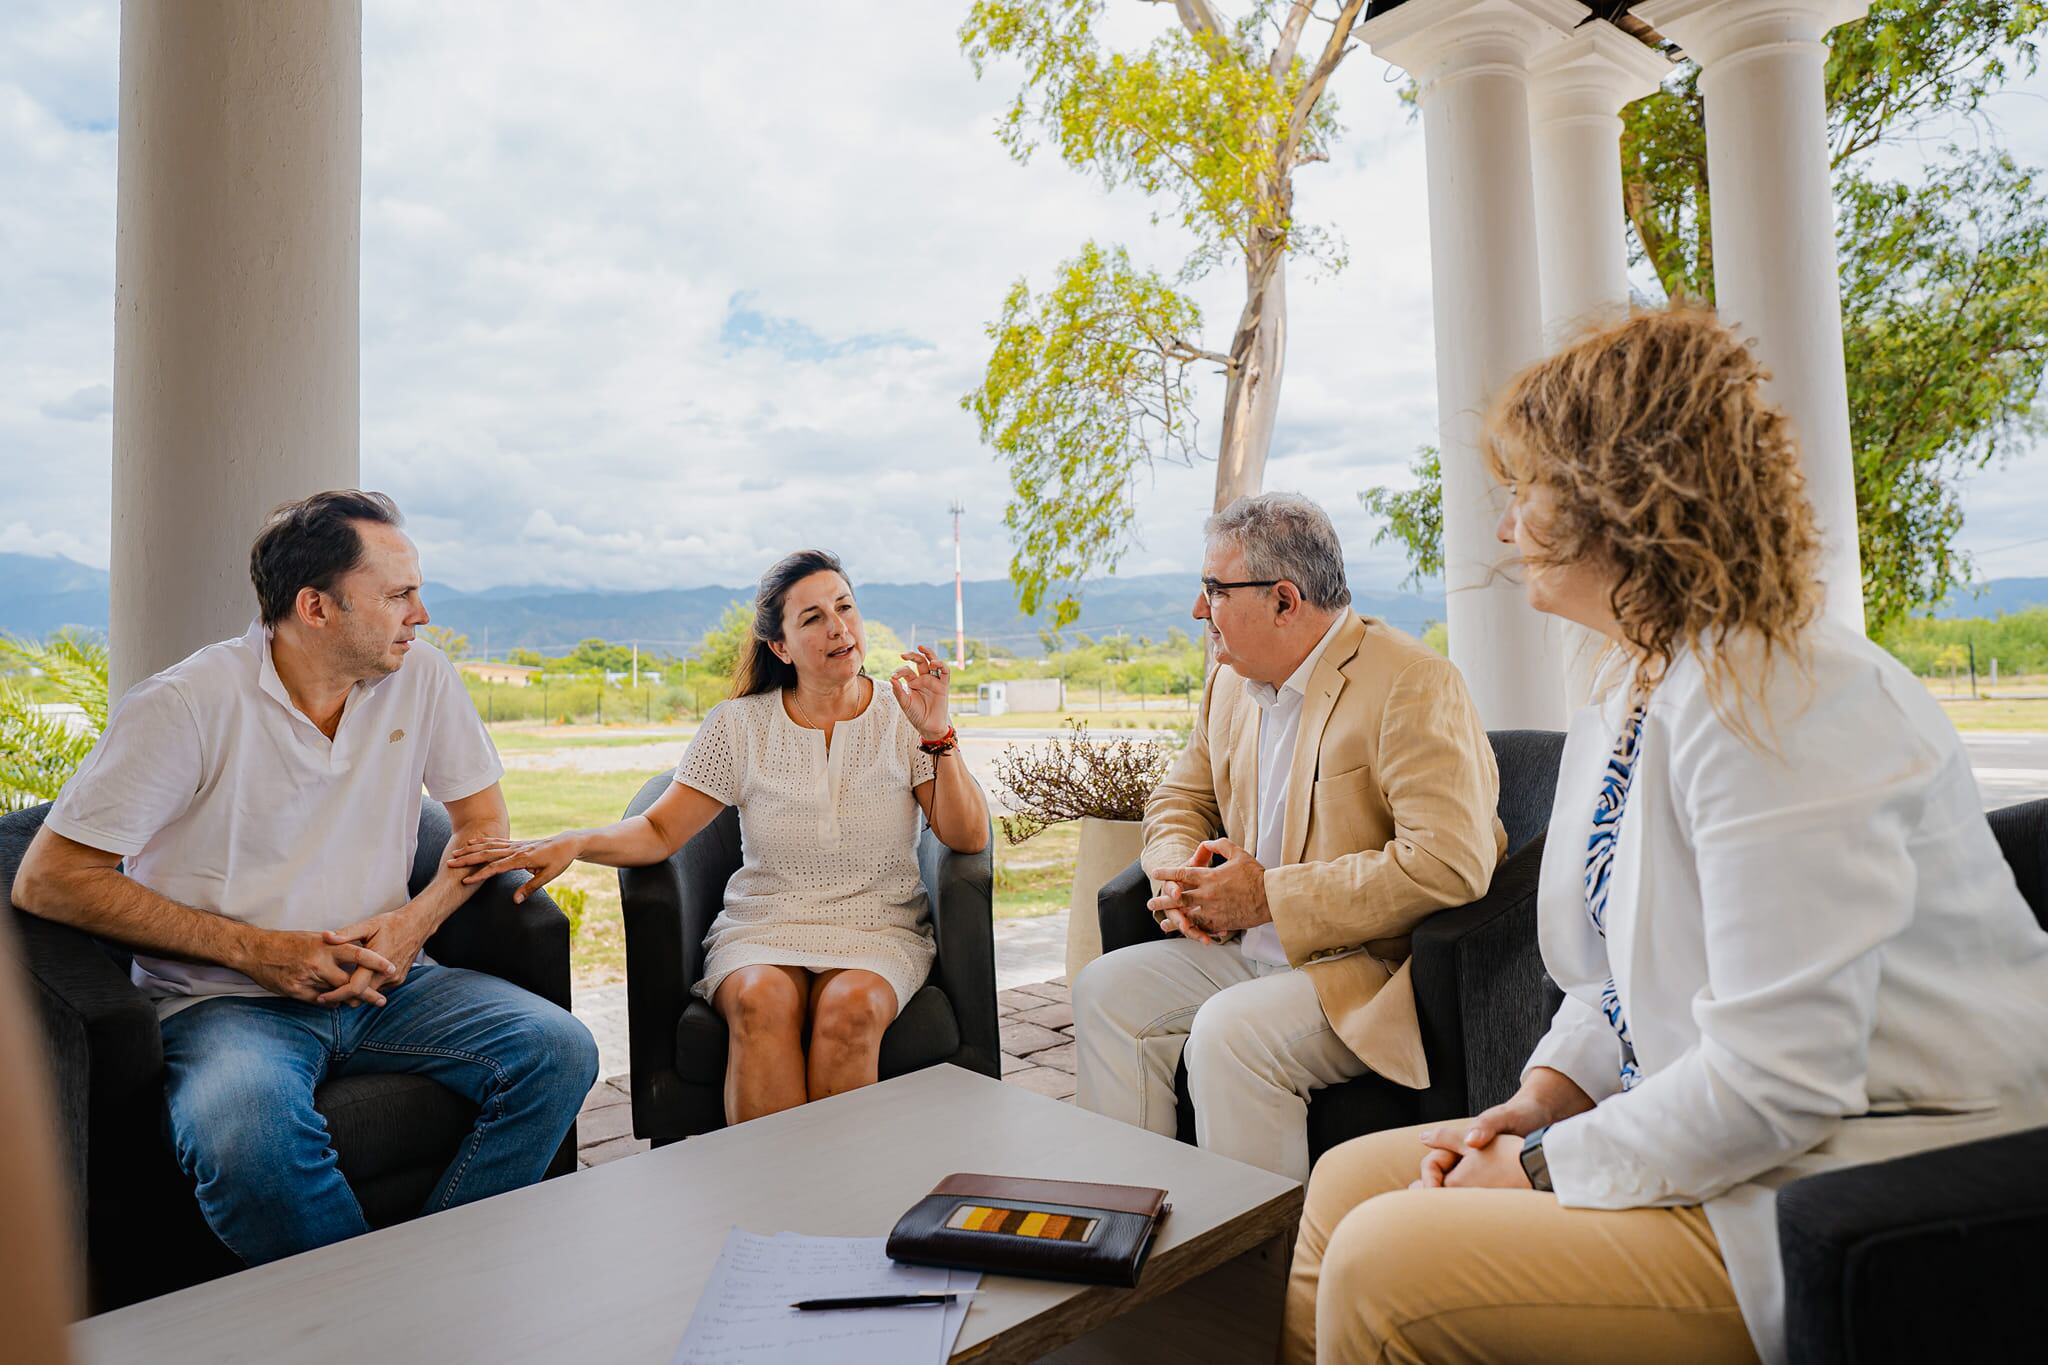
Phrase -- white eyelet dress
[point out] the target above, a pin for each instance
(828, 877)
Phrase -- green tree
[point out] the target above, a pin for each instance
(39, 750)
(719, 654)
(599, 656)
(886, 649)
(525, 658)
(1944, 280)
(1089, 382)
(1414, 517)
(446, 640)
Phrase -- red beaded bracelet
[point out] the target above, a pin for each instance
(944, 744)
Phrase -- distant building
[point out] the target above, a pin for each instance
(1020, 694)
(512, 675)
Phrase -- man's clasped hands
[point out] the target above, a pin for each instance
(345, 966)
(1223, 891)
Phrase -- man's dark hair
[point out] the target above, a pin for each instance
(312, 543)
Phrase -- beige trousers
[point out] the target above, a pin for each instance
(1254, 1034)
(1385, 1273)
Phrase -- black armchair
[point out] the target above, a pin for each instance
(394, 1135)
(678, 1042)
(1481, 994)
(1934, 1256)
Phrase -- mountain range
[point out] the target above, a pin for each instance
(39, 594)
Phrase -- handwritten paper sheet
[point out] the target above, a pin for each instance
(744, 1313)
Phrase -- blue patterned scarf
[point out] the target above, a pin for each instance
(1600, 845)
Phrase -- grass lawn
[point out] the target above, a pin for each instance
(528, 737)
(1031, 879)
(1125, 717)
(1994, 713)
(2017, 703)
(1035, 877)
(549, 802)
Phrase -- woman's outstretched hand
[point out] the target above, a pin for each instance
(920, 689)
(547, 859)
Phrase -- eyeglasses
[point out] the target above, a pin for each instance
(1210, 586)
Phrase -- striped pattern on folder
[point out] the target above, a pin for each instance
(1056, 1227)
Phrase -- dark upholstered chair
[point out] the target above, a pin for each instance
(1481, 994)
(679, 1042)
(1935, 1256)
(144, 1234)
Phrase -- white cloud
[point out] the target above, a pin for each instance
(88, 404)
(654, 293)
(18, 537)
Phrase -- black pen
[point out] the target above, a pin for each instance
(876, 1301)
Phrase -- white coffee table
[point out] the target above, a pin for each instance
(606, 1264)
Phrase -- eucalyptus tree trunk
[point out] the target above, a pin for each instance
(1251, 397)
(1258, 348)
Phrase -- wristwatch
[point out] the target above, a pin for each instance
(1534, 1164)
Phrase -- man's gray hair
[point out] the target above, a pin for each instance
(1284, 535)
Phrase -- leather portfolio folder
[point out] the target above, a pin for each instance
(1045, 1229)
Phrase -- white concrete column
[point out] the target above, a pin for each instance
(1470, 59)
(236, 259)
(1775, 273)
(1577, 92)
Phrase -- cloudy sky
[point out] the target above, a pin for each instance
(654, 292)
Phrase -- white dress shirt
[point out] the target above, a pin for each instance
(1279, 728)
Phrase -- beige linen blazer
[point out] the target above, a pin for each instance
(1389, 817)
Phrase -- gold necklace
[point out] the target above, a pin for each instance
(805, 716)
(802, 714)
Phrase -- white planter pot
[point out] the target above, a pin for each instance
(1107, 848)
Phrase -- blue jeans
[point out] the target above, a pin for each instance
(239, 1075)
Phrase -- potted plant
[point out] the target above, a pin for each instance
(1102, 784)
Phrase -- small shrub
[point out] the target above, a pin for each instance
(572, 901)
(1073, 777)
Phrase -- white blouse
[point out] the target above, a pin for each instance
(828, 877)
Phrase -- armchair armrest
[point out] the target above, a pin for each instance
(1481, 995)
(960, 888)
(668, 908)
(83, 997)
(1930, 1256)
(1120, 910)
(100, 1034)
(526, 944)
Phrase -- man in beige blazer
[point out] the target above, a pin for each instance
(1338, 789)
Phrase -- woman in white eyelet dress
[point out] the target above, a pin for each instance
(825, 934)
(829, 874)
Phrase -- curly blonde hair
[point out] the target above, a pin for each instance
(1654, 439)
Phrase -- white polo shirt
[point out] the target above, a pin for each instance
(222, 795)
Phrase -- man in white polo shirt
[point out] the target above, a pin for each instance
(265, 793)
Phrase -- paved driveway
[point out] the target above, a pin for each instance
(2010, 768)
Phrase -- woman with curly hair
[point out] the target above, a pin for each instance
(1785, 933)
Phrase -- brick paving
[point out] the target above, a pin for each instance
(1037, 1022)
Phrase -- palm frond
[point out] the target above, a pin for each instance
(38, 751)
